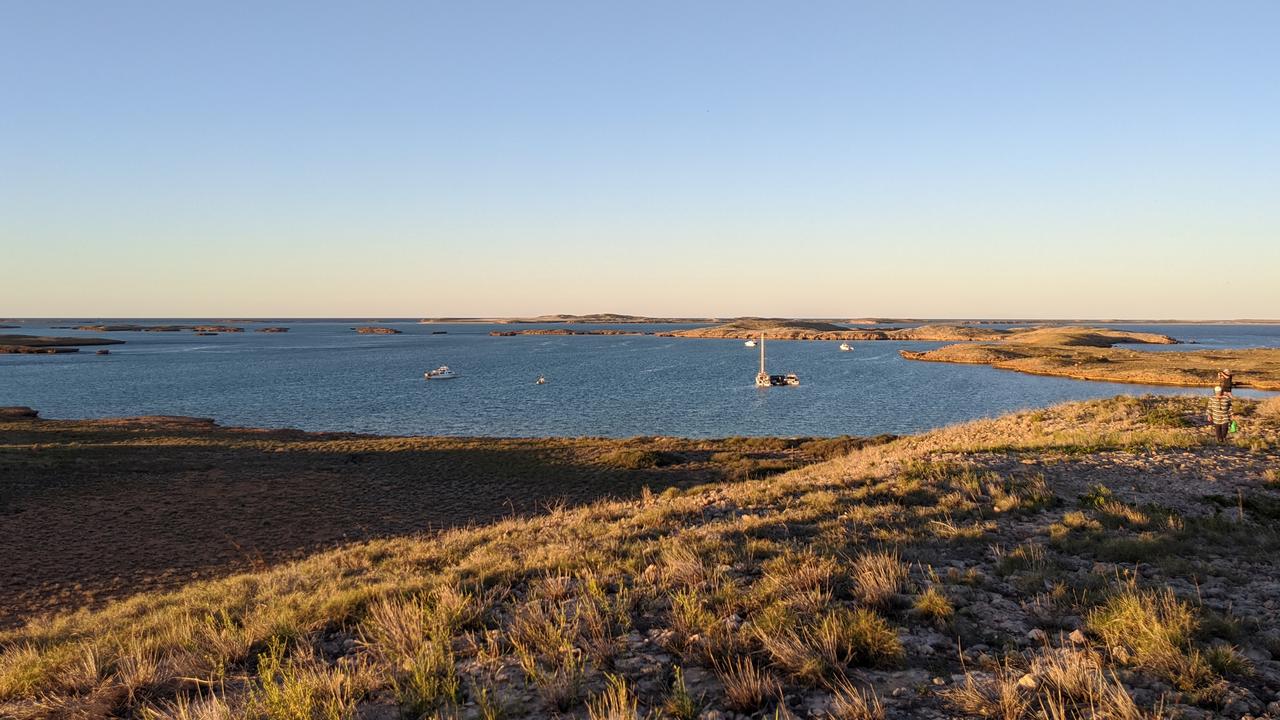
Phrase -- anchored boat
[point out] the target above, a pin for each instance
(441, 373)
(764, 379)
(845, 347)
(750, 343)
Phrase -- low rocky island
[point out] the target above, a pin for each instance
(749, 328)
(376, 330)
(129, 327)
(39, 345)
(217, 329)
(1253, 368)
(272, 329)
(569, 319)
(562, 331)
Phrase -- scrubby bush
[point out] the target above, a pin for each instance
(633, 459)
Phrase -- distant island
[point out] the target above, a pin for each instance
(1089, 354)
(563, 331)
(595, 318)
(37, 345)
(375, 330)
(130, 327)
(621, 319)
(813, 330)
(748, 328)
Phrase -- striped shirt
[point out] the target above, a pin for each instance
(1220, 409)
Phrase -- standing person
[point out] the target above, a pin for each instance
(1220, 413)
(1226, 381)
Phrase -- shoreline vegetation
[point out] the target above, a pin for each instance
(1093, 559)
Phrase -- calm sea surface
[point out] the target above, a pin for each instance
(323, 376)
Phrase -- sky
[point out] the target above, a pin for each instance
(819, 159)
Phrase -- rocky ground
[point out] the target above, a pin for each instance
(1097, 559)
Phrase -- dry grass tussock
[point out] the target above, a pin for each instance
(733, 596)
(1052, 684)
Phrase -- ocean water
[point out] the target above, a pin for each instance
(323, 376)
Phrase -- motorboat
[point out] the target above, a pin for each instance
(764, 379)
(750, 343)
(846, 347)
(441, 373)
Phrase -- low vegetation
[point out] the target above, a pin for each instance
(214, 500)
(1091, 560)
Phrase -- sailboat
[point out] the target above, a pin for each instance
(764, 379)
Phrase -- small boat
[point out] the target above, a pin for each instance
(845, 347)
(750, 343)
(542, 380)
(764, 379)
(441, 373)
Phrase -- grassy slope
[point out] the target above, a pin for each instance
(832, 588)
(173, 499)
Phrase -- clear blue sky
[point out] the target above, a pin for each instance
(1093, 159)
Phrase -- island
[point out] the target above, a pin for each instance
(781, 329)
(217, 329)
(778, 329)
(563, 331)
(129, 327)
(272, 329)
(1091, 354)
(39, 345)
(375, 330)
(593, 318)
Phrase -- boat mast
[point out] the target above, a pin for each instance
(761, 353)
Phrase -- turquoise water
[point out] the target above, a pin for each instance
(323, 376)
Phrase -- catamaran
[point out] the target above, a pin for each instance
(764, 379)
